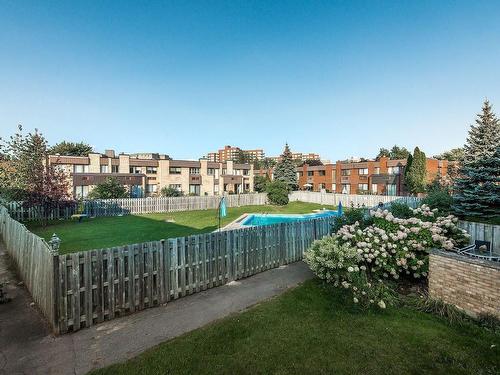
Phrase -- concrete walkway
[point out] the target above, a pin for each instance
(27, 347)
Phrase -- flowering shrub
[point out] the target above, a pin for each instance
(362, 259)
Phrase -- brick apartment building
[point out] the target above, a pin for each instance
(147, 174)
(299, 156)
(231, 153)
(382, 176)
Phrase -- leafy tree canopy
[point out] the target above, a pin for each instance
(26, 175)
(260, 183)
(455, 154)
(395, 152)
(168, 191)
(111, 188)
(71, 149)
(312, 162)
(266, 163)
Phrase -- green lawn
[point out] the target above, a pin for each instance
(313, 329)
(114, 231)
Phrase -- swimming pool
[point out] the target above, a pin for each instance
(268, 219)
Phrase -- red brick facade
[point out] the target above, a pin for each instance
(383, 176)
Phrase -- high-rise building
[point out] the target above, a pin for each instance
(233, 153)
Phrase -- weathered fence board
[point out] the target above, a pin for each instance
(34, 261)
(98, 285)
(483, 232)
(349, 200)
(115, 207)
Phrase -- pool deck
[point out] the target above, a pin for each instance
(237, 224)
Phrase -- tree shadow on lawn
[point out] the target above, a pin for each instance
(98, 233)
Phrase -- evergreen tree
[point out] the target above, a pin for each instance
(409, 160)
(416, 173)
(476, 190)
(285, 170)
(484, 137)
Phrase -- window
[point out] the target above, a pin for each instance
(80, 168)
(81, 191)
(151, 170)
(363, 187)
(321, 173)
(334, 187)
(321, 186)
(211, 171)
(175, 170)
(346, 172)
(114, 169)
(245, 172)
(177, 187)
(247, 187)
(310, 173)
(376, 170)
(391, 189)
(300, 174)
(135, 170)
(104, 169)
(237, 172)
(363, 171)
(194, 170)
(374, 189)
(346, 189)
(194, 189)
(151, 188)
(224, 170)
(216, 189)
(393, 170)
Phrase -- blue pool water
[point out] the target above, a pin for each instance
(265, 219)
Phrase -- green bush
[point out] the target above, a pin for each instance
(111, 188)
(168, 191)
(401, 210)
(277, 193)
(260, 183)
(351, 216)
(440, 199)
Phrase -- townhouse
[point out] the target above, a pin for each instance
(146, 174)
(383, 176)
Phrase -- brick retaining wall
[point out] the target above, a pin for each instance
(470, 284)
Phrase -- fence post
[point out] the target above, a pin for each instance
(55, 243)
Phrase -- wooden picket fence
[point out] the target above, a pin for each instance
(348, 200)
(34, 261)
(98, 285)
(115, 207)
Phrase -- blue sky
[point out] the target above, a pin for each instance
(341, 78)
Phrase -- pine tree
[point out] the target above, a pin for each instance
(477, 189)
(416, 172)
(484, 137)
(285, 170)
